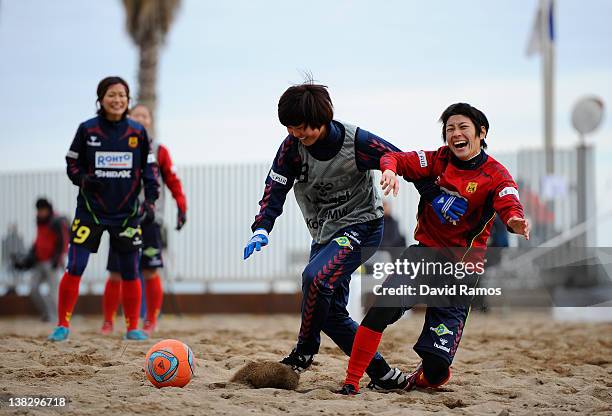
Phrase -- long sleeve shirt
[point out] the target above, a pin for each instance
(483, 182)
(118, 154)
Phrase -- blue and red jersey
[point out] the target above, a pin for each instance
(288, 166)
(119, 155)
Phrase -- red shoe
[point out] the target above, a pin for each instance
(417, 379)
(149, 327)
(107, 328)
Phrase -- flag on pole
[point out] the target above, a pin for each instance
(542, 34)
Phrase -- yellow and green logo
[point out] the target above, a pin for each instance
(150, 252)
(343, 242)
(130, 232)
(441, 330)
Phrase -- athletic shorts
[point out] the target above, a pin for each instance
(151, 250)
(442, 331)
(445, 317)
(122, 239)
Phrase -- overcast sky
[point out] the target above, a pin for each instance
(391, 67)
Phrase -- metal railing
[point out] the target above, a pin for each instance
(222, 203)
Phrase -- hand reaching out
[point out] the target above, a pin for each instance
(520, 226)
(389, 182)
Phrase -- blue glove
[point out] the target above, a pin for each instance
(449, 207)
(259, 239)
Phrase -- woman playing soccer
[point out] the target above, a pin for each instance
(109, 160)
(466, 172)
(330, 162)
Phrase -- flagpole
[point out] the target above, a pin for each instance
(548, 67)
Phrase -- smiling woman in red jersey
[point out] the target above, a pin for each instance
(462, 169)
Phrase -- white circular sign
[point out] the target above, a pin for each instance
(587, 114)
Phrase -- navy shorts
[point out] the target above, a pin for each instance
(151, 250)
(442, 331)
(124, 239)
(443, 326)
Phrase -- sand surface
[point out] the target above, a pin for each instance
(519, 363)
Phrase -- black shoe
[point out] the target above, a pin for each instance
(397, 381)
(347, 390)
(297, 362)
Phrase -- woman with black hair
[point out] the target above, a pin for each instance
(110, 159)
(466, 173)
(329, 164)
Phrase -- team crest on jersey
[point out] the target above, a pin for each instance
(133, 142)
(471, 187)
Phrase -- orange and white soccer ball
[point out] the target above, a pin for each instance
(169, 363)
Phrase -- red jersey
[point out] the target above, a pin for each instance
(169, 177)
(484, 183)
(51, 240)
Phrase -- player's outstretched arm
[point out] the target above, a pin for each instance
(413, 166)
(507, 204)
(286, 168)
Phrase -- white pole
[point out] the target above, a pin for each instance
(547, 9)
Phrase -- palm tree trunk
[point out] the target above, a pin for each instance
(147, 76)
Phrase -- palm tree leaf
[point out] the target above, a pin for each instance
(149, 20)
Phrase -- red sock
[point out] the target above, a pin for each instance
(131, 292)
(364, 347)
(155, 296)
(67, 298)
(111, 299)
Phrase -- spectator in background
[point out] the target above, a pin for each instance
(497, 240)
(46, 258)
(541, 214)
(392, 244)
(12, 248)
(392, 236)
(499, 234)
